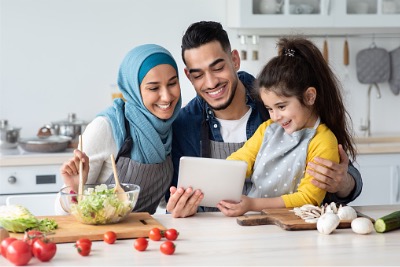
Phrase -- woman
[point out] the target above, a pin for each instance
(137, 130)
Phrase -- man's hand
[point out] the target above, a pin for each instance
(183, 203)
(331, 176)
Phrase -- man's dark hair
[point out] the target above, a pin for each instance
(203, 32)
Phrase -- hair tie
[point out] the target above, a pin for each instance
(289, 52)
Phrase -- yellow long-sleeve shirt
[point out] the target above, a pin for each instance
(324, 144)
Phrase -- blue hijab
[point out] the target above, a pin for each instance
(152, 137)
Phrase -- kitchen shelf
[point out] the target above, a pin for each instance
(329, 35)
(323, 17)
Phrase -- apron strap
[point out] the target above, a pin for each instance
(125, 150)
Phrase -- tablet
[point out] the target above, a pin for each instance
(218, 179)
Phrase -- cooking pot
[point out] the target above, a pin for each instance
(45, 144)
(9, 135)
(71, 127)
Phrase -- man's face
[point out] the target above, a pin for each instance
(213, 73)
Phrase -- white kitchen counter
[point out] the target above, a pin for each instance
(378, 144)
(18, 157)
(211, 239)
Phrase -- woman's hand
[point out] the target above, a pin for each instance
(70, 169)
(183, 203)
(235, 209)
(332, 177)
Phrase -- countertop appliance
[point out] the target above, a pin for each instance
(31, 178)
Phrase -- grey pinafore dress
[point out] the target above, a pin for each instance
(154, 179)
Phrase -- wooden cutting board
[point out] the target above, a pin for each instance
(69, 230)
(285, 219)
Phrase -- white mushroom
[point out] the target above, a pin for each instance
(327, 223)
(346, 213)
(362, 226)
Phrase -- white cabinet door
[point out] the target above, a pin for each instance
(314, 15)
(367, 14)
(291, 14)
(381, 179)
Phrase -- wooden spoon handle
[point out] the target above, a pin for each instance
(115, 171)
(325, 52)
(80, 185)
(346, 61)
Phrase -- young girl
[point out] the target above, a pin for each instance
(308, 120)
(137, 130)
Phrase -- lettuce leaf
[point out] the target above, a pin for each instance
(18, 219)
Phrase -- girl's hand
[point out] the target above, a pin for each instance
(70, 169)
(235, 209)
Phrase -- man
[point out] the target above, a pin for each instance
(225, 113)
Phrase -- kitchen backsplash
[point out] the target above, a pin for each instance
(384, 111)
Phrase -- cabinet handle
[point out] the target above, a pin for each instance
(395, 183)
(328, 7)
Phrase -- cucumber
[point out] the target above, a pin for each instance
(388, 223)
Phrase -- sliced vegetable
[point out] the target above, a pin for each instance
(18, 219)
(388, 223)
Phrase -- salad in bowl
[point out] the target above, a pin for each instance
(99, 203)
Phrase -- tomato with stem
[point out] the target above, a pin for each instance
(171, 234)
(156, 234)
(31, 236)
(43, 249)
(83, 249)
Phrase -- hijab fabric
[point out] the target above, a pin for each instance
(152, 137)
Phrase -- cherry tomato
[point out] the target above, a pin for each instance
(4, 244)
(19, 253)
(141, 244)
(83, 249)
(84, 240)
(110, 237)
(156, 234)
(171, 234)
(43, 249)
(168, 247)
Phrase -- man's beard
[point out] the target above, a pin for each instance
(228, 102)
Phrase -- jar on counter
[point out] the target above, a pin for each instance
(8, 135)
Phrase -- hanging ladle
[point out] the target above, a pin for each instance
(118, 188)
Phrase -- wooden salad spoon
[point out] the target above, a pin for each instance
(118, 188)
(80, 184)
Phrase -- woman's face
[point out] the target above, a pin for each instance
(288, 112)
(161, 91)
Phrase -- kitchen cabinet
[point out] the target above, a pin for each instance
(312, 15)
(381, 179)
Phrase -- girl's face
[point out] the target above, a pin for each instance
(288, 112)
(161, 91)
